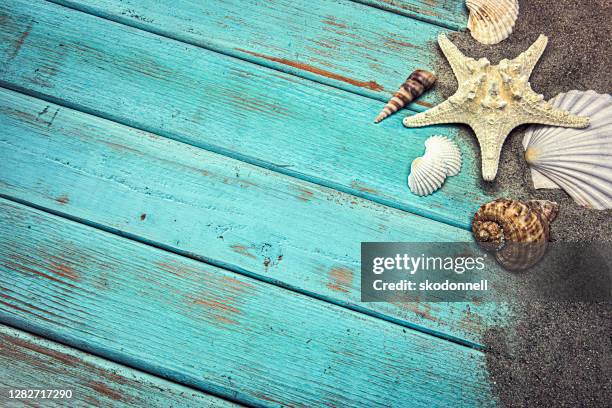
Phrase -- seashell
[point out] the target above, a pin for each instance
(493, 100)
(414, 86)
(517, 231)
(426, 176)
(577, 160)
(548, 209)
(492, 21)
(442, 158)
(448, 151)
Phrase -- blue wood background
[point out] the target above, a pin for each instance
(185, 186)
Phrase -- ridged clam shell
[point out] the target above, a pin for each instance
(426, 176)
(492, 21)
(577, 160)
(448, 151)
(442, 158)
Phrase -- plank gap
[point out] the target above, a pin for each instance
(244, 158)
(175, 115)
(51, 346)
(233, 268)
(343, 342)
(387, 6)
(249, 57)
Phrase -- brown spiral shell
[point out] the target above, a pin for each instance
(518, 231)
(417, 83)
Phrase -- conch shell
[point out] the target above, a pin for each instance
(492, 21)
(517, 231)
(417, 83)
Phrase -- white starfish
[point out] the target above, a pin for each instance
(493, 100)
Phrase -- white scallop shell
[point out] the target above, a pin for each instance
(442, 158)
(492, 21)
(576, 160)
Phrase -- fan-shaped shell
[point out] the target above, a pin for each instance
(492, 21)
(442, 158)
(517, 231)
(576, 160)
(448, 151)
(426, 176)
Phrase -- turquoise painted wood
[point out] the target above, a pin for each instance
(216, 330)
(446, 13)
(340, 43)
(182, 198)
(293, 126)
(31, 362)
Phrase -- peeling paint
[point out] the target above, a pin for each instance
(63, 199)
(340, 279)
(372, 85)
(242, 250)
(20, 41)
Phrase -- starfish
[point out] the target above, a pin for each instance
(493, 100)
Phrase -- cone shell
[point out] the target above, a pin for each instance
(417, 83)
(576, 160)
(492, 21)
(517, 231)
(442, 158)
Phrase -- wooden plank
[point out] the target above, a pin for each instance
(30, 362)
(257, 115)
(191, 201)
(216, 330)
(340, 43)
(446, 13)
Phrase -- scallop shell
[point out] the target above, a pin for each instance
(442, 158)
(492, 21)
(577, 160)
(517, 231)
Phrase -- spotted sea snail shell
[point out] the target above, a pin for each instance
(518, 231)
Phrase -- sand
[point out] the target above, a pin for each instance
(554, 355)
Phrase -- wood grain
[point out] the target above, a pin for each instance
(30, 362)
(257, 115)
(446, 13)
(191, 201)
(215, 330)
(340, 43)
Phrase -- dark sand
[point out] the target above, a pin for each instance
(555, 355)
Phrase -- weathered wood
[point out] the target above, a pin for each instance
(258, 115)
(340, 43)
(446, 13)
(191, 201)
(215, 330)
(30, 362)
